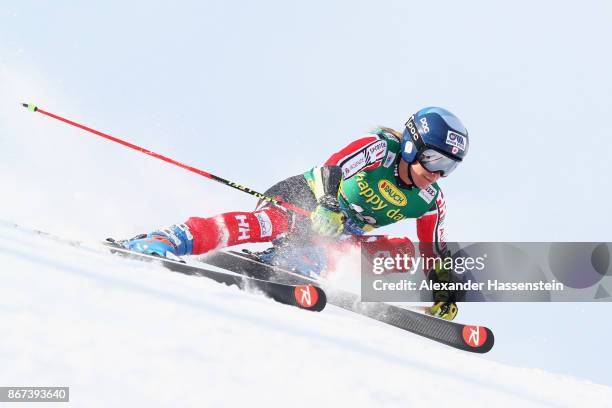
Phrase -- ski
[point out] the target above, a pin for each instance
(305, 296)
(471, 338)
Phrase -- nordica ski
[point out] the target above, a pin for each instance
(305, 296)
(471, 338)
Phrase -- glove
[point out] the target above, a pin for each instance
(444, 305)
(327, 219)
(443, 310)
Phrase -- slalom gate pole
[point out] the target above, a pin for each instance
(298, 210)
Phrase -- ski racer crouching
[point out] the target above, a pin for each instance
(377, 180)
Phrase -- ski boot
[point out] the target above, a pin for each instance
(308, 261)
(171, 242)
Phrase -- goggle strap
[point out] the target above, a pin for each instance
(414, 134)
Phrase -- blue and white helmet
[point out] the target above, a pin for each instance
(436, 138)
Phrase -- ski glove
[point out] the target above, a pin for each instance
(327, 219)
(444, 305)
(443, 310)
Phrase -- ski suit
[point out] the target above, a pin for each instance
(370, 194)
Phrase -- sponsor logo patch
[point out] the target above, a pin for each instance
(428, 194)
(391, 193)
(376, 151)
(389, 159)
(456, 140)
(265, 225)
(353, 165)
(371, 155)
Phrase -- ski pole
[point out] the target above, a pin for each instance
(298, 210)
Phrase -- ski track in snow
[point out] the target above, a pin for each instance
(121, 332)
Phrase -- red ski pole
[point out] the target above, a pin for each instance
(298, 210)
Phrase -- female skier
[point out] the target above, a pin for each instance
(379, 179)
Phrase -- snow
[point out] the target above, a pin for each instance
(125, 333)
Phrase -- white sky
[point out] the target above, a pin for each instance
(258, 91)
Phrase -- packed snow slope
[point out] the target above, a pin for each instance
(125, 333)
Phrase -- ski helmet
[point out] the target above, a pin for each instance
(436, 138)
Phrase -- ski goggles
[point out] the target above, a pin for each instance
(435, 161)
